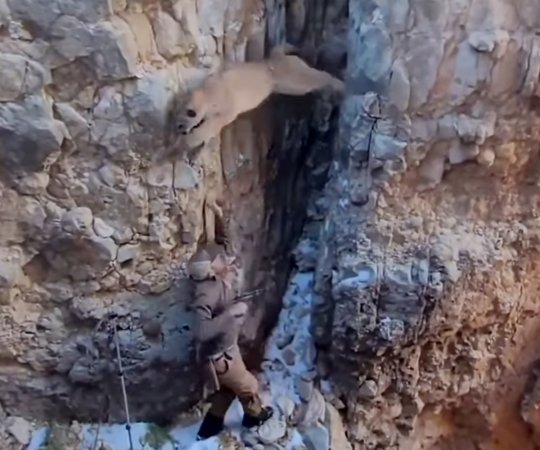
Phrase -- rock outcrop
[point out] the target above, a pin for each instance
(426, 273)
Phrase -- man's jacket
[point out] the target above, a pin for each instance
(215, 329)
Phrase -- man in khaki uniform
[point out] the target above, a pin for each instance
(217, 323)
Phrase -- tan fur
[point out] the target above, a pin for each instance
(292, 76)
(217, 223)
(242, 87)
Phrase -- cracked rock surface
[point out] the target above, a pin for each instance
(427, 263)
(99, 211)
(416, 214)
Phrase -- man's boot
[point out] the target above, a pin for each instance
(256, 420)
(254, 413)
(212, 423)
(210, 426)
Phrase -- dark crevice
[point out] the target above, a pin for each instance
(297, 178)
(300, 155)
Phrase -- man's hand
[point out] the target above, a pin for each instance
(224, 270)
(238, 311)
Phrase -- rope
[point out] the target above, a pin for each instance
(123, 384)
(95, 444)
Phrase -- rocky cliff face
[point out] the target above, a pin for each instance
(99, 211)
(428, 262)
(425, 240)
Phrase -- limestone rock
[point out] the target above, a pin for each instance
(161, 175)
(34, 184)
(71, 38)
(460, 153)
(431, 170)
(41, 14)
(387, 147)
(391, 330)
(20, 429)
(312, 412)
(399, 91)
(187, 15)
(311, 373)
(368, 390)
(185, 177)
(59, 292)
(286, 406)
(475, 131)
(532, 67)
(304, 388)
(5, 14)
(147, 107)
(113, 175)
(82, 372)
(90, 11)
(334, 425)
(272, 430)
(306, 254)
(10, 268)
(529, 407)
(283, 340)
(374, 59)
(488, 40)
(211, 15)
(104, 446)
(118, 5)
(102, 229)
(33, 220)
(170, 39)
(116, 53)
(289, 356)
(78, 221)
(77, 125)
(144, 37)
(316, 437)
(381, 272)
(250, 438)
(155, 283)
(486, 157)
(422, 63)
(110, 128)
(81, 257)
(87, 308)
(122, 236)
(472, 68)
(30, 134)
(66, 436)
(128, 252)
(20, 76)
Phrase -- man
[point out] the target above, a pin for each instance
(217, 322)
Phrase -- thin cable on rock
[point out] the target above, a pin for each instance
(123, 384)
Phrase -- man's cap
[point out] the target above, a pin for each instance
(199, 266)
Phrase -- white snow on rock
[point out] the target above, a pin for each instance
(286, 380)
